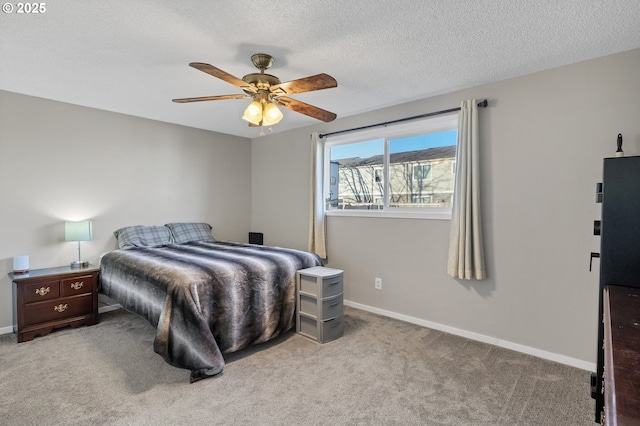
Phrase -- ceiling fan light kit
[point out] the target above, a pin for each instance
(267, 91)
(262, 112)
(271, 114)
(253, 113)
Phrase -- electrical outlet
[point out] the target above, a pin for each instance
(378, 283)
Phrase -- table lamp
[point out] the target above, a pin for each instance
(78, 231)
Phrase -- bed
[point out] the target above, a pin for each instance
(204, 297)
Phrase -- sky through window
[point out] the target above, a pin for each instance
(413, 143)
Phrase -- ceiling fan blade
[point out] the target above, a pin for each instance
(222, 75)
(305, 109)
(210, 98)
(307, 84)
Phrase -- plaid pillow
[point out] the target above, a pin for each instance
(143, 236)
(190, 231)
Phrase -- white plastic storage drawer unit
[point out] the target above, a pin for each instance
(319, 312)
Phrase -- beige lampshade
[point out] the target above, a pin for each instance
(253, 113)
(271, 114)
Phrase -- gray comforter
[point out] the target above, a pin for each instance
(206, 299)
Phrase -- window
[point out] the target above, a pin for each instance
(421, 171)
(378, 175)
(403, 170)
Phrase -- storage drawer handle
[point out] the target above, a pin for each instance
(335, 304)
(77, 285)
(60, 307)
(43, 290)
(334, 282)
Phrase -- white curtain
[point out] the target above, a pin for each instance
(317, 225)
(466, 252)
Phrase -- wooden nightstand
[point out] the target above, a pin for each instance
(45, 299)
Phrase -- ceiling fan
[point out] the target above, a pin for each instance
(268, 91)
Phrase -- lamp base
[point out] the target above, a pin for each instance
(76, 264)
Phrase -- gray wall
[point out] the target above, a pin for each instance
(63, 162)
(543, 139)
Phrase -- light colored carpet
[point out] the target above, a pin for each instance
(381, 372)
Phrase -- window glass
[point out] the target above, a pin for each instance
(356, 171)
(405, 170)
(420, 170)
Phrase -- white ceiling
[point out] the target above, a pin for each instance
(132, 56)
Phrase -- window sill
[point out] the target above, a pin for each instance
(440, 214)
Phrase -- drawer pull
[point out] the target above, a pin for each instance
(334, 282)
(77, 285)
(43, 290)
(60, 307)
(335, 304)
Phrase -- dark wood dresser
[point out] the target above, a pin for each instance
(621, 379)
(46, 299)
(619, 231)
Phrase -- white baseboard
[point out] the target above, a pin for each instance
(6, 330)
(573, 362)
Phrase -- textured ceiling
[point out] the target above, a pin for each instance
(132, 56)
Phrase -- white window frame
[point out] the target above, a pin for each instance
(435, 124)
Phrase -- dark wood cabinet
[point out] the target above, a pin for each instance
(619, 232)
(46, 299)
(621, 374)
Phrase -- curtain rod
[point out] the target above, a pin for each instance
(482, 104)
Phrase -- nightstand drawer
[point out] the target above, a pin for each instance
(308, 326)
(77, 285)
(58, 309)
(322, 331)
(332, 329)
(41, 291)
(331, 308)
(331, 286)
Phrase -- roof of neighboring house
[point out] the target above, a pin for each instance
(402, 157)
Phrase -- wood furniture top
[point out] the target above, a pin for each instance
(622, 355)
(47, 272)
